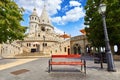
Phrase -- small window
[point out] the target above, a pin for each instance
(34, 45)
(35, 18)
(32, 17)
(39, 35)
(29, 44)
(43, 29)
(44, 44)
(64, 49)
(42, 20)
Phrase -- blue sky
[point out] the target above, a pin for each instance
(66, 15)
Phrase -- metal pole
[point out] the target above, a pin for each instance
(110, 62)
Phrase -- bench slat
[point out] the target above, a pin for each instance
(67, 63)
(66, 56)
(52, 62)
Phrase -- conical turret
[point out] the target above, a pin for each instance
(44, 18)
(45, 22)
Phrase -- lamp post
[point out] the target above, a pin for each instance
(110, 62)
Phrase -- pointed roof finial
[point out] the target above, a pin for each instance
(44, 3)
(34, 12)
(34, 9)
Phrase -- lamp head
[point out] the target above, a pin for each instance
(102, 8)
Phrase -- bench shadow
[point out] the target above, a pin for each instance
(97, 68)
(63, 73)
(93, 67)
(65, 70)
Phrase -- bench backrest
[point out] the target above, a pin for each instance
(66, 56)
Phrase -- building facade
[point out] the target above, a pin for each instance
(42, 39)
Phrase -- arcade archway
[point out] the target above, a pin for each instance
(77, 49)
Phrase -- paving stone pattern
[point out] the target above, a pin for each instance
(38, 70)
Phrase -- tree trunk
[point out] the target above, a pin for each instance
(118, 52)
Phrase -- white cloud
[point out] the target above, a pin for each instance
(70, 16)
(29, 5)
(76, 30)
(65, 8)
(51, 6)
(74, 3)
(58, 30)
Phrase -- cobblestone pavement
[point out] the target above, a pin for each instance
(38, 70)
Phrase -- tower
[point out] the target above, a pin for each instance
(34, 22)
(45, 23)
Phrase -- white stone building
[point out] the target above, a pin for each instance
(42, 39)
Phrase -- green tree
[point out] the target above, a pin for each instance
(10, 17)
(95, 31)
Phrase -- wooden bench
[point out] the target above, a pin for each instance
(82, 62)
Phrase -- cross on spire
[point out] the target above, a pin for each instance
(45, 3)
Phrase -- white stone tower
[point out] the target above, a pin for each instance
(34, 23)
(40, 25)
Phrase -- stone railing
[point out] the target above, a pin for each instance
(11, 49)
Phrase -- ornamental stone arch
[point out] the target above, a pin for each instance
(78, 44)
(76, 48)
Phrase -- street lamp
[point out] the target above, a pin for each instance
(110, 62)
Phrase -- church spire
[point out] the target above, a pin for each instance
(44, 16)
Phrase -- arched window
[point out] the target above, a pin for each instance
(33, 45)
(44, 44)
(79, 50)
(32, 17)
(43, 28)
(64, 49)
(75, 50)
(29, 44)
(38, 35)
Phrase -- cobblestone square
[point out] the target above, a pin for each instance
(38, 70)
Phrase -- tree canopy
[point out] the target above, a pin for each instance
(10, 17)
(95, 31)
